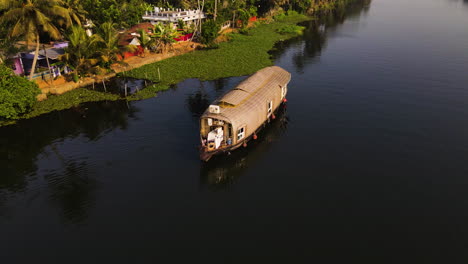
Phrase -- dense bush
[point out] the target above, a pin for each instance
(210, 31)
(291, 29)
(17, 94)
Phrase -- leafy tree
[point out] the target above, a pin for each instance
(165, 35)
(8, 48)
(210, 31)
(82, 51)
(109, 44)
(146, 42)
(181, 25)
(185, 4)
(17, 95)
(75, 10)
(101, 11)
(123, 13)
(31, 18)
(243, 16)
(132, 12)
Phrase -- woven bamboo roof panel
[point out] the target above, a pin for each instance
(247, 104)
(234, 97)
(269, 76)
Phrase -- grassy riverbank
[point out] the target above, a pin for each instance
(65, 101)
(244, 54)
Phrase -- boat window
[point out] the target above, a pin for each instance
(270, 107)
(240, 133)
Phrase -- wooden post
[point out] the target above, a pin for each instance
(93, 83)
(216, 10)
(48, 65)
(234, 19)
(125, 89)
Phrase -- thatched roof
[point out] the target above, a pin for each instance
(247, 104)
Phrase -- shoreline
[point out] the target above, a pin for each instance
(60, 85)
(252, 54)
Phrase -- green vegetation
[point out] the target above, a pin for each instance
(291, 29)
(64, 101)
(243, 55)
(81, 53)
(210, 31)
(125, 13)
(17, 94)
(39, 21)
(33, 18)
(164, 36)
(70, 99)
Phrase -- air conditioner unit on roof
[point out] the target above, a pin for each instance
(214, 109)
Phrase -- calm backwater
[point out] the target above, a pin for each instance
(367, 163)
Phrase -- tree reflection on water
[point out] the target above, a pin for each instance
(317, 32)
(222, 171)
(199, 101)
(71, 186)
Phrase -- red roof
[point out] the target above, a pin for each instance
(126, 37)
(146, 26)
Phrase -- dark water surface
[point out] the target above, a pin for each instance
(368, 162)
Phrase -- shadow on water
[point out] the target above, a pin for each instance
(71, 186)
(207, 92)
(315, 37)
(464, 2)
(198, 103)
(117, 85)
(222, 171)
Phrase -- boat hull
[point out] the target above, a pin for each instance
(206, 155)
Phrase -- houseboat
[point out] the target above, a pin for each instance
(235, 118)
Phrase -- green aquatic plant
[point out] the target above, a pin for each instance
(64, 101)
(291, 29)
(242, 55)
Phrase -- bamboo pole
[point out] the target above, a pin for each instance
(104, 84)
(48, 66)
(216, 9)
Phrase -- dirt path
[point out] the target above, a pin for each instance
(60, 85)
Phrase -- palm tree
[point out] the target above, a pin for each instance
(75, 10)
(82, 50)
(31, 18)
(109, 43)
(7, 49)
(146, 42)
